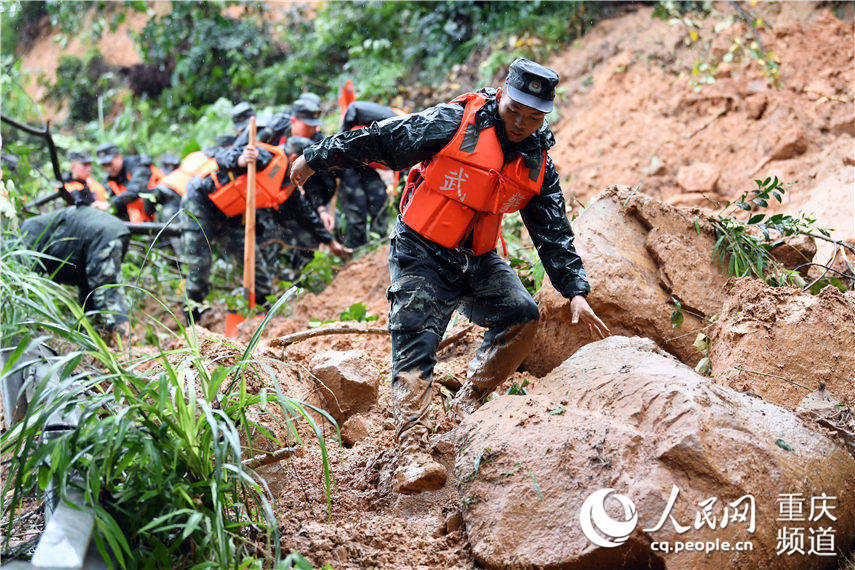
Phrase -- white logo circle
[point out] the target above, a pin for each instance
(593, 518)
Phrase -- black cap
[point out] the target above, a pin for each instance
(309, 96)
(296, 145)
(80, 156)
(169, 161)
(307, 111)
(241, 114)
(106, 152)
(224, 140)
(531, 84)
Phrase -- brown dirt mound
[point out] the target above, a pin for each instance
(781, 344)
(626, 106)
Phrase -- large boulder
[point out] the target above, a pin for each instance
(638, 253)
(347, 382)
(781, 343)
(623, 415)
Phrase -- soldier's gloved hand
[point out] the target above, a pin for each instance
(580, 309)
(339, 250)
(249, 154)
(100, 204)
(327, 219)
(300, 171)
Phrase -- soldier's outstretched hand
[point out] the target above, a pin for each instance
(580, 309)
(339, 250)
(300, 171)
(249, 154)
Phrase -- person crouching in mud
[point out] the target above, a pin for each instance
(479, 156)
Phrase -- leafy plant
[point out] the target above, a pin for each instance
(702, 344)
(356, 312)
(158, 451)
(739, 248)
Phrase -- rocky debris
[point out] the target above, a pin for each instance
(622, 414)
(824, 409)
(796, 251)
(755, 105)
(638, 253)
(354, 429)
(780, 343)
(347, 382)
(844, 124)
(785, 140)
(698, 177)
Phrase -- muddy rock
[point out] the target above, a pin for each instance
(623, 415)
(347, 383)
(755, 105)
(785, 140)
(794, 252)
(354, 429)
(780, 343)
(698, 177)
(638, 253)
(844, 124)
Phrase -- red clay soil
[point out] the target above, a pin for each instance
(625, 102)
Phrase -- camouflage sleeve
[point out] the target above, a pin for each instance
(545, 218)
(397, 142)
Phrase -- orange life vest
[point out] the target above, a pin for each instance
(194, 164)
(155, 177)
(466, 187)
(230, 197)
(136, 209)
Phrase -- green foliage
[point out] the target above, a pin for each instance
(319, 272)
(677, 316)
(739, 247)
(385, 46)
(160, 452)
(82, 82)
(702, 344)
(518, 388)
(356, 312)
(211, 55)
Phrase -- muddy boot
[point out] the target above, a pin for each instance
(491, 365)
(417, 471)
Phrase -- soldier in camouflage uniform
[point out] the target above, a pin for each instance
(89, 246)
(293, 231)
(204, 223)
(481, 155)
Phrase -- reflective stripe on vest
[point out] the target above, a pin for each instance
(466, 187)
(194, 164)
(230, 197)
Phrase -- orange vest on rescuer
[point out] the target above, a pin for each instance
(155, 177)
(466, 187)
(230, 197)
(136, 209)
(96, 187)
(194, 164)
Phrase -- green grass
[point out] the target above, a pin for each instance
(159, 446)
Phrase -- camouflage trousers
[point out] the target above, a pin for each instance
(206, 226)
(428, 282)
(361, 196)
(97, 290)
(287, 245)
